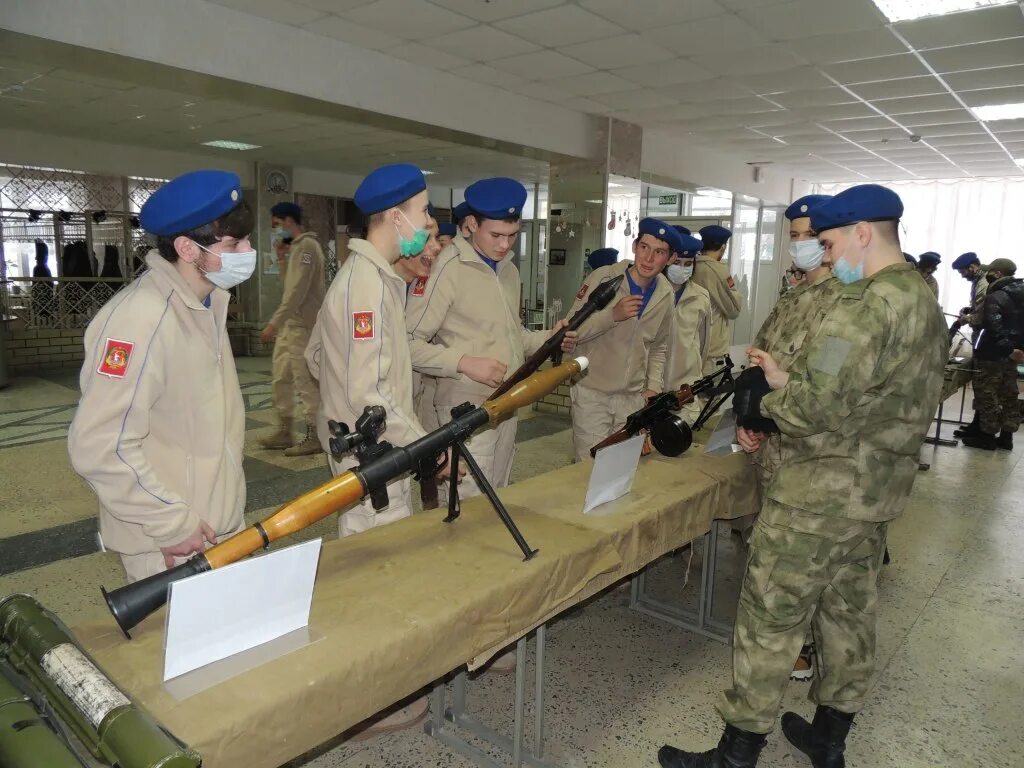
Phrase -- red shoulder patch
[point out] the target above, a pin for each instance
(362, 325)
(116, 356)
(420, 286)
(583, 291)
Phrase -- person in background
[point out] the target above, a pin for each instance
(1002, 332)
(692, 323)
(712, 274)
(970, 269)
(460, 213)
(927, 263)
(446, 232)
(160, 427)
(602, 257)
(305, 283)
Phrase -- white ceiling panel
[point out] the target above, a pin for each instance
(665, 73)
(638, 98)
(749, 106)
(881, 68)
(945, 117)
(481, 43)
(815, 97)
(583, 104)
(916, 104)
(542, 91)
(1001, 127)
(487, 11)
(281, 11)
(1001, 77)
(1002, 53)
(958, 29)
(592, 83)
(712, 37)
(768, 58)
(428, 57)
(830, 48)
(561, 26)
(994, 96)
(640, 15)
(356, 34)
(835, 112)
(482, 73)
(901, 88)
(954, 142)
(412, 19)
(623, 51)
(543, 65)
(803, 18)
(706, 90)
(955, 129)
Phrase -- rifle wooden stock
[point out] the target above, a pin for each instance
(132, 603)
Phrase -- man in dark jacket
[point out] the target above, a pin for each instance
(995, 382)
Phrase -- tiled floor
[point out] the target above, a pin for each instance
(950, 684)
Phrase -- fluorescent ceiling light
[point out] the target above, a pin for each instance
(907, 10)
(999, 112)
(1019, 161)
(225, 144)
(429, 173)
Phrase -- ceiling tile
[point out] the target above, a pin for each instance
(333, 6)
(592, 83)
(955, 142)
(665, 73)
(917, 104)
(487, 11)
(355, 34)
(412, 19)
(281, 11)
(945, 117)
(954, 129)
(623, 51)
(640, 15)
(796, 79)
(748, 106)
(482, 73)
(835, 112)
(542, 91)
(1002, 53)
(868, 134)
(994, 96)
(482, 43)
(1001, 127)
(827, 49)
(427, 57)
(582, 104)
(802, 18)
(814, 97)
(768, 58)
(978, 26)
(707, 90)
(712, 37)
(986, 78)
(900, 88)
(880, 68)
(561, 26)
(543, 65)
(640, 98)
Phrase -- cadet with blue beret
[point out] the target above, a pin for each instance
(602, 257)
(692, 322)
(465, 328)
(305, 283)
(446, 232)
(459, 215)
(628, 341)
(927, 263)
(853, 411)
(712, 274)
(970, 268)
(160, 427)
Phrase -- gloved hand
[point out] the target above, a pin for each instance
(751, 386)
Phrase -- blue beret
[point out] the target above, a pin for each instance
(865, 202)
(189, 201)
(445, 228)
(964, 260)
(802, 208)
(287, 209)
(681, 229)
(431, 210)
(602, 257)
(931, 258)
(460, 212)
(659, 229)
(690, 247)
(497, 198)
(388, 186)
(715, 234)
(909, 259)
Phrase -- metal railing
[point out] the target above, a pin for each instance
(58, 303)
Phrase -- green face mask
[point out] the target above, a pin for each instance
(413, 246)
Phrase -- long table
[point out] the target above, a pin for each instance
(402, 606)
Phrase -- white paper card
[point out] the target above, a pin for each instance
(223, 612)
(723, 440)
(613, 472)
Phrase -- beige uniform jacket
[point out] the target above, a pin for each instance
(726, 301)
(933, 284)
(691, 338)
(359, 351)
(159, 432)
(305, 283)
(976, 318)
(630, 356)
(466, 308)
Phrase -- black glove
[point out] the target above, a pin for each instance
(751, 386)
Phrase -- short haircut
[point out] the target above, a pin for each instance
(890, 231)
(712, 245)
(237, 223)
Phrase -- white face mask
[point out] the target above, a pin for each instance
(235, 268)
(807, 254)
(678, 274)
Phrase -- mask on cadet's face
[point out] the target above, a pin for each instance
(844, 271)
(235, 268)
(678, 274)
(807, 254)
(280, 233)
(413, 246)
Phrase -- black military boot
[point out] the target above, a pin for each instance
(982, 440)
(736, 749)
(823, 740)
(1005, 441)
(970, 429)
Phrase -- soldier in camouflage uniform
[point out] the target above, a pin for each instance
(970, 268)
(853, 411)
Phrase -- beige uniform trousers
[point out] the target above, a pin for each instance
(363, 517)
(494, 450)
(138, 567)
(292, 376)
(595, 415)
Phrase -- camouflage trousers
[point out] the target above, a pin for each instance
(804, 570)
(995, 395)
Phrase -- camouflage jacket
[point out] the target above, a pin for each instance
(860, 398)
